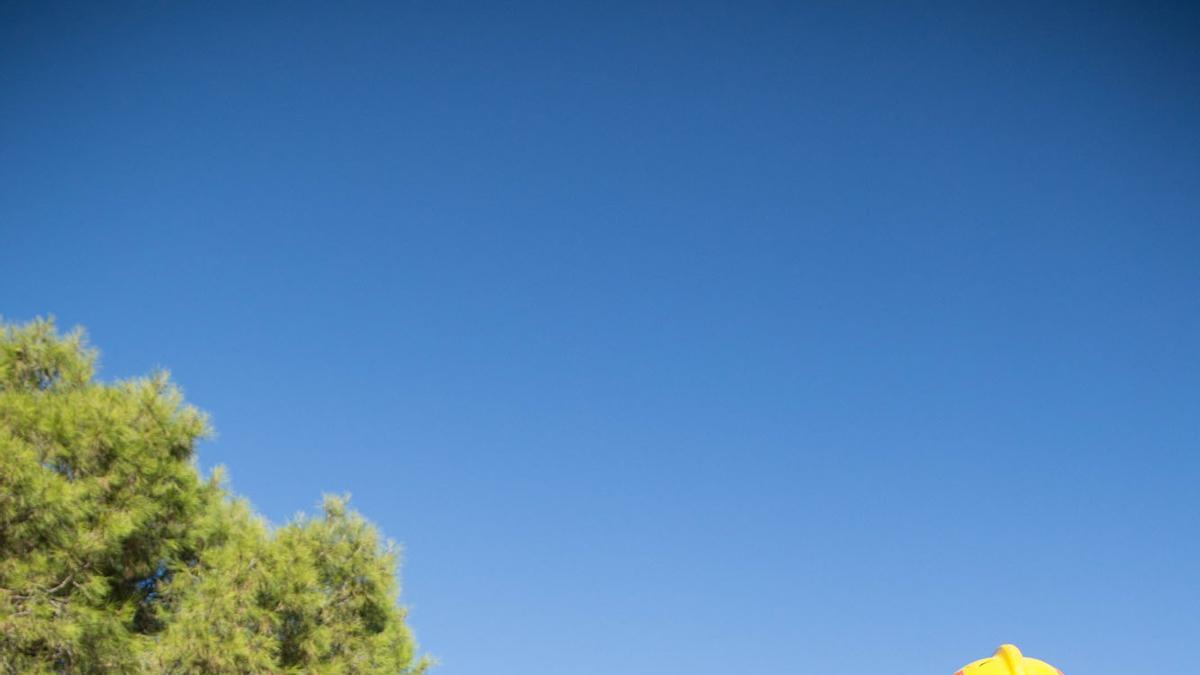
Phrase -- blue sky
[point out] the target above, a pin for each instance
(666, 337)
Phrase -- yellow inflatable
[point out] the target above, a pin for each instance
(1008, 661)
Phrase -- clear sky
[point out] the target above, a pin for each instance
(666, 337)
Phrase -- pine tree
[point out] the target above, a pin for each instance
(117, 556)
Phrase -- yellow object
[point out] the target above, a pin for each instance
(1008, 661)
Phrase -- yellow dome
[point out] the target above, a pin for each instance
(1008, 661)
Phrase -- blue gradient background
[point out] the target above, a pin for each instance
(666, 337)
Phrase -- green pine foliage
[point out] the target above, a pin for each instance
(117, 556)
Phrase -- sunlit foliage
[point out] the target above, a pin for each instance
(117, 556)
